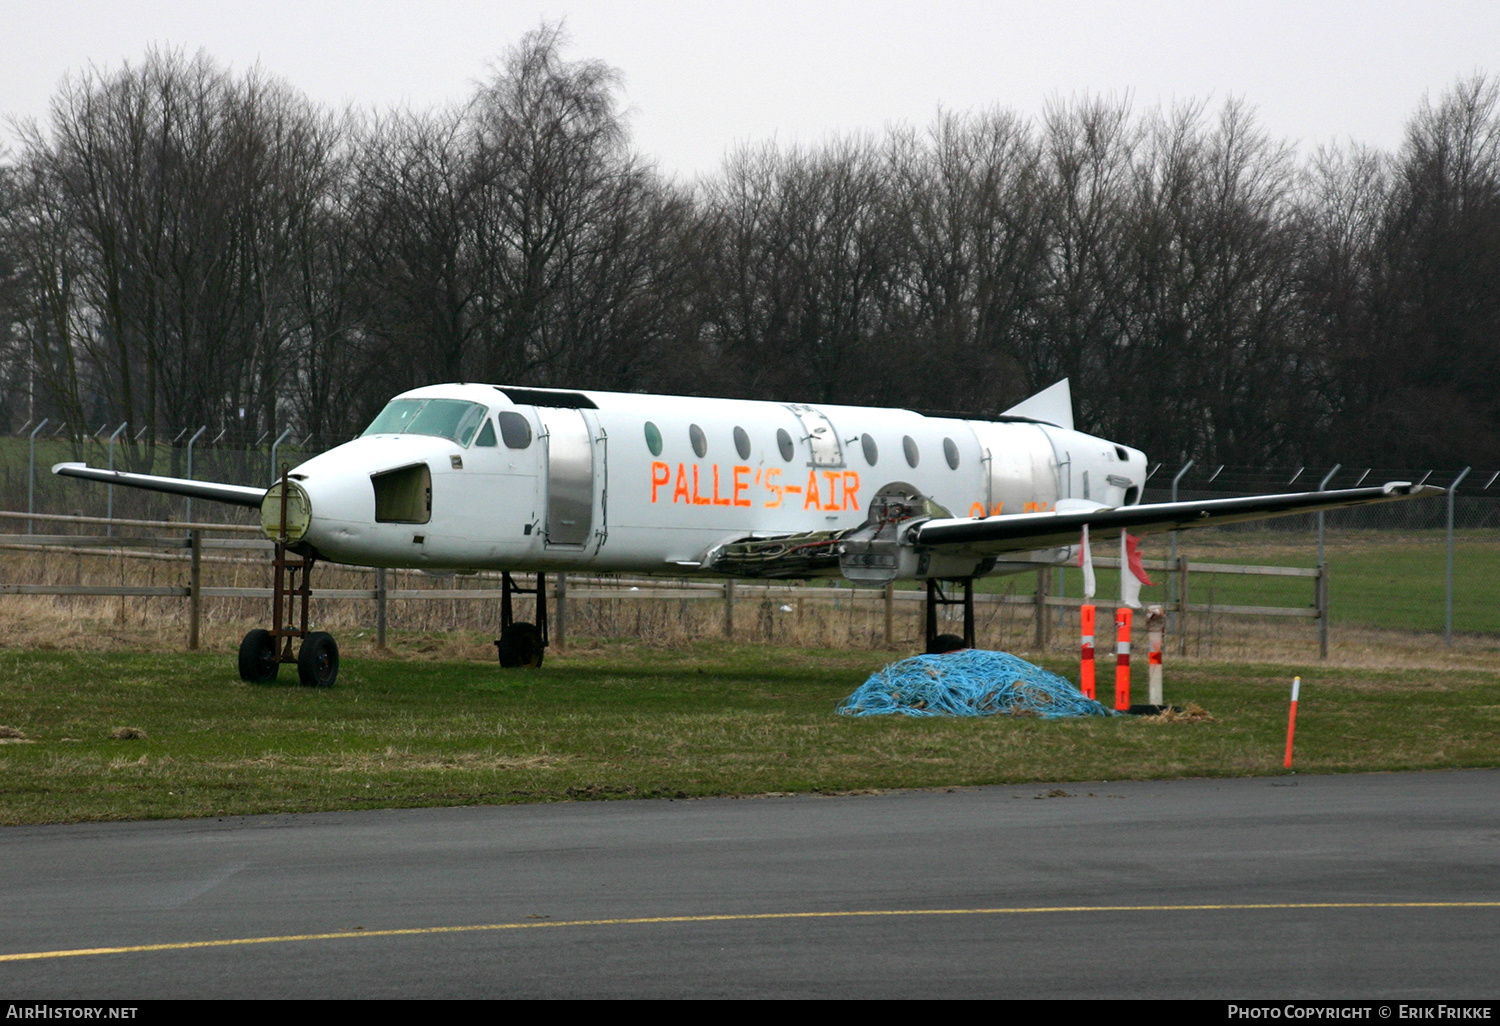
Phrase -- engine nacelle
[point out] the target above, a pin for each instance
(881, 551)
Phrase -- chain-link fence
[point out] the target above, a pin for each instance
(1413, 534)
(1476, 504)
(28, 484)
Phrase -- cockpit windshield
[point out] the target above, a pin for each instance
(453, 419)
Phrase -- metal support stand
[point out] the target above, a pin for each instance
(291, 588)
(936, 596)
(290, 591)
(509, 587)
(263, 651)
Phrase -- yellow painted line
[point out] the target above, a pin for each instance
(25, 956)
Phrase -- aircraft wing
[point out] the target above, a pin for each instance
(993, 536)
(238, 495)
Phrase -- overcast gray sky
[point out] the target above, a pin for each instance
(701, 77)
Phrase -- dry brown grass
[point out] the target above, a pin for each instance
(452, 629)
(1190, 713)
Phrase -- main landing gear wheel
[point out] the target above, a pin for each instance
(520, 645)
(318, 661)
(258, 663)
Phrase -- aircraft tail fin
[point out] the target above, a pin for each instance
(1053, 404)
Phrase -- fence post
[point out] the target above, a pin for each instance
(1042, 576)
(380, 600)
(110, 491)
(1448, 587)
(200, 431)
(195, 588)
(560, 612)
(1182, 605)
(31, 479)
(1172, 538)
(275, 446)
(1323, 487)
(729, 609)
(1321, 596)
(890, 613)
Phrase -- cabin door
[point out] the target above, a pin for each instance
(820, 436)
(570, 476)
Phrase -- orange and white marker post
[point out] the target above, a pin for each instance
(1291, 721)
(1086, 665)
(1123, 616)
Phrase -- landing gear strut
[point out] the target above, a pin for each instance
(522, 644)
(263, 651)
(937, 596)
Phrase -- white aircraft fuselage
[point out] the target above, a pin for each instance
(494, 477)
(468, 477)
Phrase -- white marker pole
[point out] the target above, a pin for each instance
(1291, 721)
(1156, 622)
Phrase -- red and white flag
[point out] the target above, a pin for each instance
(1132, 572)
(1086, 560)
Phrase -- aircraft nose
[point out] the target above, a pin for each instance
(286, 517)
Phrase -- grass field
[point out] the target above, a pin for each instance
(641, 704)
(618, 720)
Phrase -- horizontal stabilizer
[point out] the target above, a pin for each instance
(993, 536)
(237, 495)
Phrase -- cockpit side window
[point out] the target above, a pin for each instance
(515, 429)
(486, 437)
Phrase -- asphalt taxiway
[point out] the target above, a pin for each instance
(1357, 886)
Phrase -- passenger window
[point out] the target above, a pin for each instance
(784, 443)
(909, 446)
(515, 429)
(742, 443)
(486, 435)
(653, 438)
(950, 453)
(700, 442)
(871, 452)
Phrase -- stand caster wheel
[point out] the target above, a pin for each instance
(318, 661)
(258, 663)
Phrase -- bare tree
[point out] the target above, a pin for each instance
(798, 282)
(165, 202)
(971, 246)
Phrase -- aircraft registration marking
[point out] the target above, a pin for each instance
(694, 484)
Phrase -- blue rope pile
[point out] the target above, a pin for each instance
(970, 682)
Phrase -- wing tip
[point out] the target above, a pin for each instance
(1414, 491)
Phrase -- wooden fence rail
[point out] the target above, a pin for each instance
(580, 586)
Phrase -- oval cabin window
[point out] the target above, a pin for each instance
(784, 443)
(872, 453)
(653, 438)
(950, 453)
(909, 446)
(742, 443)
(699, 440)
